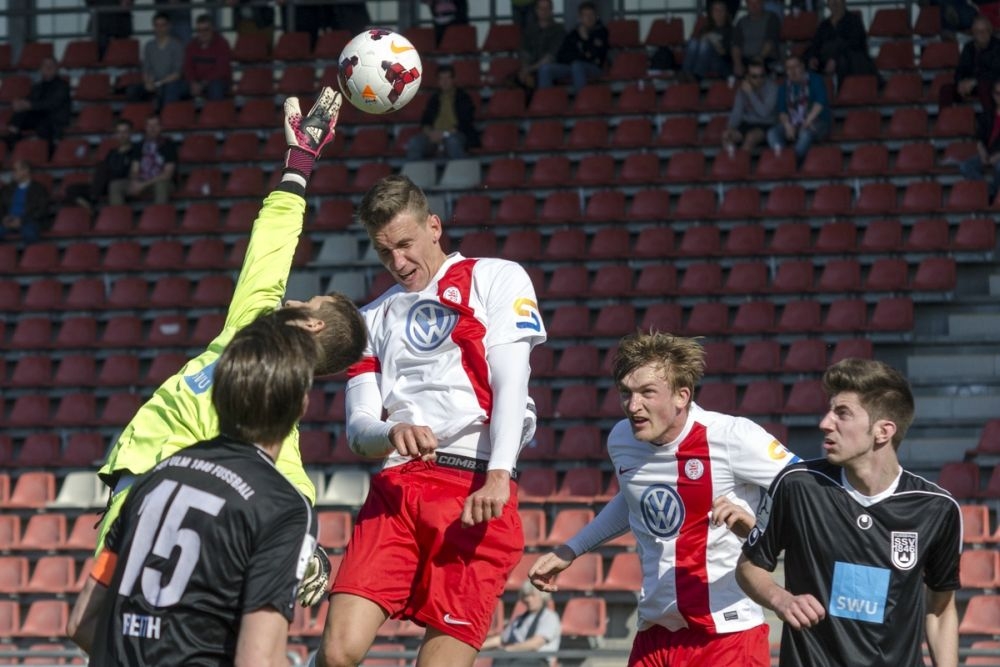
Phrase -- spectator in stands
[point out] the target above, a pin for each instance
(840, 45)
(110, 23)
(162, 66)
(208, 67)
(688, 479)
(755, 109)
(803, 109)
(446, 13)
(523, 13)
(447, 123)
(756, 35)
(47, 110)
(24, 205)
(180, 19)
(540, 43)
(536, 629)
(708, 52)
(583, 53)
(250, 18)
(154, 166)
(978, 67)
(956, 16)
(872, 551)
(987, 157)
(116, 166)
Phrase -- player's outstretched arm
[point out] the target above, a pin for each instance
(941, 626)
(276, 231)
(798, 611)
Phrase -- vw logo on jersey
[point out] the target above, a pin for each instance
(428, 324)
(662, 510)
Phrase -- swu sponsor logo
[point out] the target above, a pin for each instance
(859, 592)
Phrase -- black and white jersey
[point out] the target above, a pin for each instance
(865, 559)
(208, 535)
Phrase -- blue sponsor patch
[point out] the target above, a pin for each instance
(201, 381)
(859, 592)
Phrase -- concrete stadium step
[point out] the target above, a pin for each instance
(973, 403)
(958, 365)
(995, 285)
(973, 324)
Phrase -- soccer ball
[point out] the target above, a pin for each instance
(380, 71)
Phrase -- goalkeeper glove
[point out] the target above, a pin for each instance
(307, 135)
(316, 580)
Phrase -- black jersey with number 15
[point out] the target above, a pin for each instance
(865, 559)
(209, 534)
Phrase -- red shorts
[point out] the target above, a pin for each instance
(410, 554)
(659, 647)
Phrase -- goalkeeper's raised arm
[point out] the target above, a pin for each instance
(180, 412)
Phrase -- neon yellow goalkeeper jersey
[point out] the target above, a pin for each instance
(180, 412)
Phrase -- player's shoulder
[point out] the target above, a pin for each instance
(810, 472)
(489, 267)
(911, 483)
(620, 433)
(724, 427)
(374, 306)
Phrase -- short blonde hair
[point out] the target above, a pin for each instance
(681, 360)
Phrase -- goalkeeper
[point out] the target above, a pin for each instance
(180, 412)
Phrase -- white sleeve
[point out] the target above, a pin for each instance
(610, 522)
(367, 434)
(509, 371)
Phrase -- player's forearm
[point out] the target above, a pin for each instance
(941, 626)
(758, 583)
(509, 370)
(610, 522)
(268, 260)
(367, 434)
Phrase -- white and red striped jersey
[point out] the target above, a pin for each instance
(688, 564)
(428, 348)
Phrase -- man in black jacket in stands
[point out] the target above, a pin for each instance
(583, 54)
(978, 69)
(46, 110)
(447, 122)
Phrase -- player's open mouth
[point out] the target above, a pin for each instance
(405, 277)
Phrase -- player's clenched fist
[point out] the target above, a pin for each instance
(415, 442)
(799, 611)
(488, 501)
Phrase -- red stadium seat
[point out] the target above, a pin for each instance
(887, 275)
(869, 160)
(858, 90)
(895, 56)
(762, 397)
(805, 355)
(846, 315)
(536, 485)
(975, 523)
(585, 617)
(960, 479)
(43, 532)
(568, 523)
(904, 88)
(982, 616)
(928, 235)
(759, 356)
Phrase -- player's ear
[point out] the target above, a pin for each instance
(884, 430)
(305, 405)
(683, 396)
(434, 224)
(312, 324)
